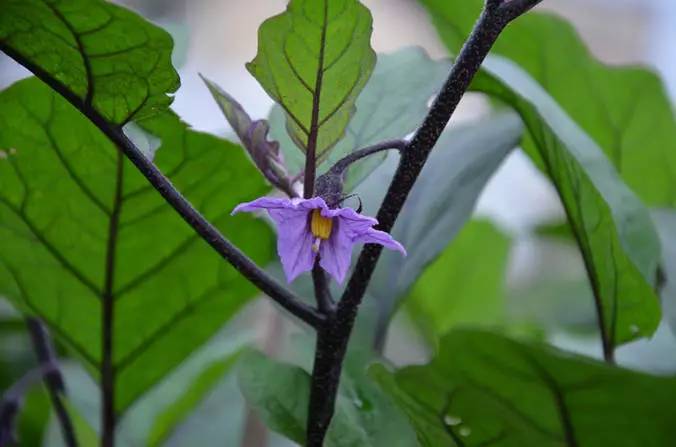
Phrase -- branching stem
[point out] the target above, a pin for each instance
(332, 323)
(332, 340)
(342, 164)
(204, 228)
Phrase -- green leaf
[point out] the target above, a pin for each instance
(169, 418)
(485, 389)
(57, 192)
(613, 228)
(313, 60)
(465, 284)
(280, 393)
(440, 203)
(392, 105)
(109, 58)
(625, 110)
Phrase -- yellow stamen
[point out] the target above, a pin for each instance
(320, 226)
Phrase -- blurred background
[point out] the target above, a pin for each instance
(217, 37)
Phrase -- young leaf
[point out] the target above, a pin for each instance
(392, 105)
(57, 193)
(465, 285)
(313, 60)
(108, 58)
(613, 229)
(485, 389)
(254, 137)
(364, 416)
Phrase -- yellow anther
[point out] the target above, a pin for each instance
(319, 225)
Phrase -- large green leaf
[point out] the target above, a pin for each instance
(57, 189)
(613, 228)
(109, 58)
(313, 60)
(484, 389)
(440, 203)
(624, 109)
(364, 416)
(465, 285)
(392, 105)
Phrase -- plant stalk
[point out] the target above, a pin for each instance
(332, 340)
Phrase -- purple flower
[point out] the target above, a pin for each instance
(307, 228)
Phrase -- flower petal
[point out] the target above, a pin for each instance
(294, 246)
(294, 239)
(335, 253)
(372, 236)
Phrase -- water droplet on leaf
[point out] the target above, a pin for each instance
(451, 420)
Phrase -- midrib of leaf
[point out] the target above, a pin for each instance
(310, 158)
(544, 378)
(583, 243)
(558, 396)
(107, 297)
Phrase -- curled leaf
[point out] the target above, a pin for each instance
(254, 136)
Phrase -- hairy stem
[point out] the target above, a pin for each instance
(332, 341)
(325, 302)
(345, 162)
(51, 376)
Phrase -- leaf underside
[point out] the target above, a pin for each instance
(57, 193)
(612, 227)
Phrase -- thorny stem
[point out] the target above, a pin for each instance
(51, 376)
(333, 338)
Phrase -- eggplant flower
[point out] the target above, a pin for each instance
(307, 228)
